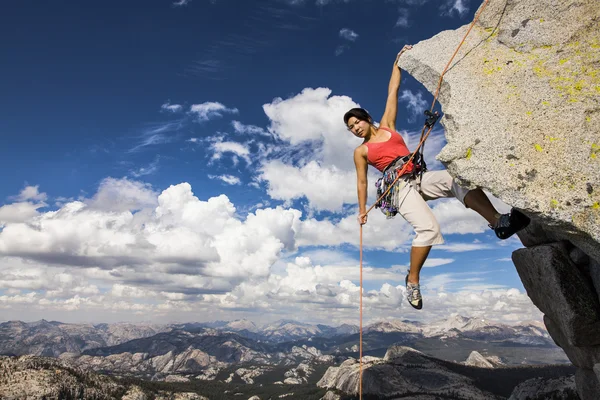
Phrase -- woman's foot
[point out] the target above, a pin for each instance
(413, 294)
(509, 224)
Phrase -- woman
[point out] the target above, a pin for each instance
(383, 148)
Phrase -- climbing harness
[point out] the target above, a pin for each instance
(388, 203)
(430, 121)
(389, 200)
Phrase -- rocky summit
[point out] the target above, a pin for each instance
(31, 377)
(521, 109)
(402, 372)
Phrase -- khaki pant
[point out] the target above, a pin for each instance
(413, 205)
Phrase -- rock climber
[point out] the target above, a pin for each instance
(385, 149)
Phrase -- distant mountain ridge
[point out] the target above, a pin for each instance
(240, 351)
(52, 338)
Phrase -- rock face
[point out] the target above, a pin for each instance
(521, 108)
(477, 360)
(521, 105)
(539, 388)
(403, 372)
(51, 338)
(48, 378)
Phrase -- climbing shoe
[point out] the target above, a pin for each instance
(413, 294)
(508, 224)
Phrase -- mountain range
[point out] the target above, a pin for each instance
(283, 352)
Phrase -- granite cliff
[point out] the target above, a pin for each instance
(521, 105)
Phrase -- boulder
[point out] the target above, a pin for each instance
(404, 372)
(331, 396)
(587, 383)
(561, 291)
(580, 356)
(475, 359)
(541, 388)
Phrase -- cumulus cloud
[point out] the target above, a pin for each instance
(179, 255)
(18, 212)
(209, 110)
(348, 34)
(326, 188)
(313, 121)
(180, 235)
(31, 193)
(122, 195)
(330, 293)
(25, 207)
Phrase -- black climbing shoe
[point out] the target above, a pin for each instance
(413, 294)
(509, 224)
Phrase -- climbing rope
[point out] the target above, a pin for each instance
(431, 119)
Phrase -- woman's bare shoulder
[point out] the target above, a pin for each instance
(361, 150)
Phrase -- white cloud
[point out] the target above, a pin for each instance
(174, 108)
(436, 262)
(311, 123)
(156, 134)
(180, 3)
(28, 201)
(341, 49)
(210, 110)
(18, 212)
(178, 244)
(219, 148)
(119, 195)
(31, 193)
(451, 7)
(179, 256)
(228, 179)
(312, 115)
(348, 34)
(414, 103)
(402, 20)
(146, 170)
(462, 247)
(248, 129)
(326, 188)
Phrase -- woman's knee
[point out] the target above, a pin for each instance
(428, 234)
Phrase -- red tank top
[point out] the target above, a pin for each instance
(381, 154)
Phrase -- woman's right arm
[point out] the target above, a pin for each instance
(360, 162)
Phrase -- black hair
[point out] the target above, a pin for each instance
(358, 113)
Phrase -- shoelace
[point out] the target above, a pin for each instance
(414, 291)
(503, 222)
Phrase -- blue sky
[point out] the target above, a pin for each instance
(179, 161)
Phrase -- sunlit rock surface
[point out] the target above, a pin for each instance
(402, 372)
(521, 105)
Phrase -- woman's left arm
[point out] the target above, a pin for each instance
(391, 106)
